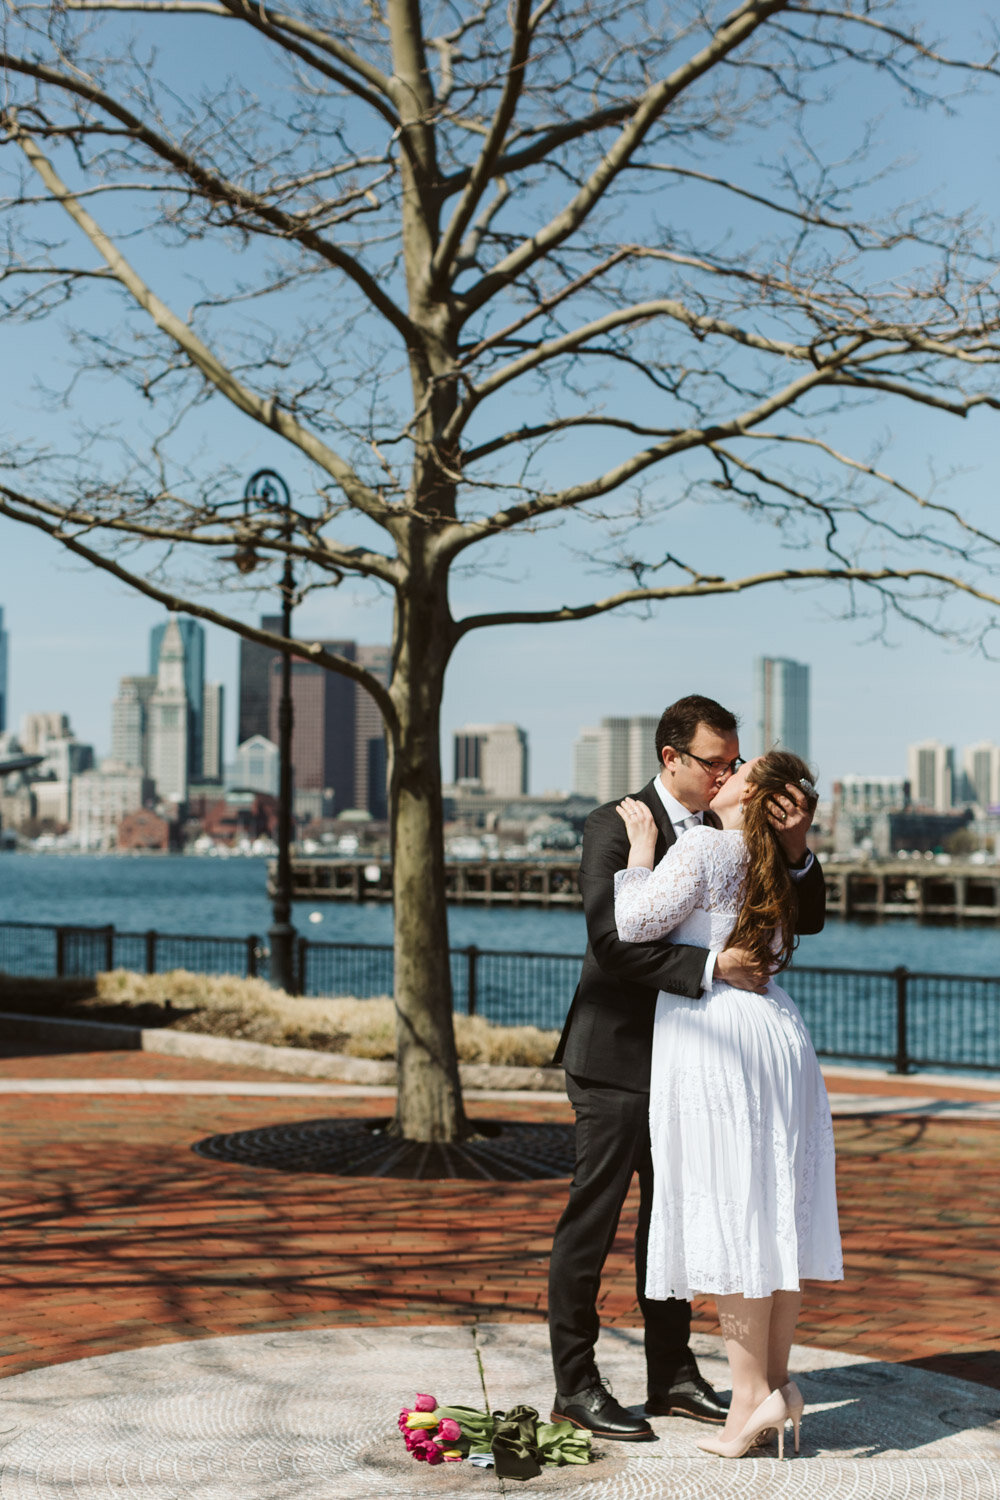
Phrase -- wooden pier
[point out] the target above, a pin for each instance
(911, 888)
(504, 882)
(925, 891)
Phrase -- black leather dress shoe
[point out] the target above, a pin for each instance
(690, 1395)
(597, 1411)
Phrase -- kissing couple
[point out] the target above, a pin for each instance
(688, 1065)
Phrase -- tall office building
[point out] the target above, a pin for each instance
(169, 737)
(981, 773)
(324, 719)
(254, 714)
(931, 771)
(586, 752)
(371, 761)
(212, 722)
(130, 721)
(193, 639)
(616, 758)
(3, 675)
(495, 754)
(781, 695)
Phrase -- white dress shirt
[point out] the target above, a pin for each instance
(679, 815)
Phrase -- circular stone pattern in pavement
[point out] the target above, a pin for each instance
(501, 1152)
(312, 1416)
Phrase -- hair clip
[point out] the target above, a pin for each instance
(808, 787)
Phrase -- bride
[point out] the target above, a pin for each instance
(742, 1142)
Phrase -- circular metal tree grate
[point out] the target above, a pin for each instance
(498, 1152)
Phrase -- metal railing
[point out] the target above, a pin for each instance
(902, 1019)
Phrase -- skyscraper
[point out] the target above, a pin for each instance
(495, 754)
(616, 758)
(370, 754)
(931, 770)
(981, 765)
(130, 721)
(3, 675)
(169, 738)
(213, 707)
(254, 716)
(586, 752)
(324, 719)
(193, 639)
(781, 694)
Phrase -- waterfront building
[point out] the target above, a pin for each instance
(145, 830)
(193, 639)
(496, 755)
(371, 759)
(861, 809)
(3, 674)
(130, 721)
(324, 719)
(212, 721)
(101, 798)
(53, 802)
(37, 729)
(257, 765)
(781, 702)
(254, 714)
(931, 771)
(168, 719)
(981, 775)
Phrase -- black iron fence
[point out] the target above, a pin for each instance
(902, 1019)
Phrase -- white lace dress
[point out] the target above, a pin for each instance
(739, 1121)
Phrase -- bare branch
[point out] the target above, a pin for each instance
(704, 588)
(266, 412)
(308, 650)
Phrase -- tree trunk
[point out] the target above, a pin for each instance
(429, 1105)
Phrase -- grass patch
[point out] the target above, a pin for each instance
(250, 1010)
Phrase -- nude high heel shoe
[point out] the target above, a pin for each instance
(772, 1412)
(795, 1403)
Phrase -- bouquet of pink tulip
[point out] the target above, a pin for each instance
(436, 1434)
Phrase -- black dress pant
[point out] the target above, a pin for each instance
(612, 1143)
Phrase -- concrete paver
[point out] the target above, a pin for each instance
(311, 1416)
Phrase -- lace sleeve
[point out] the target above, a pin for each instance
(650, 903)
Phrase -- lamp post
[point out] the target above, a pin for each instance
(268, 488)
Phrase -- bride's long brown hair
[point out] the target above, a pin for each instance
(769, 899)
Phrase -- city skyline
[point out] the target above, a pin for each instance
(879, 747)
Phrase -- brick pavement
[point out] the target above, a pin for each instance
(117, 1236)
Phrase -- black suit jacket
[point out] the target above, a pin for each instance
(608, 1036)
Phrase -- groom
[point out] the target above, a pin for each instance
(606, 1048)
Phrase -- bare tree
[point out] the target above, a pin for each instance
(446, 252)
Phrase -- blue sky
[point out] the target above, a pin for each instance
(73, 632)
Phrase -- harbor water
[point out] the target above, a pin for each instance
(228, 897)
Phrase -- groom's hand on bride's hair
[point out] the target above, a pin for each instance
(742, 969)
(790, 816)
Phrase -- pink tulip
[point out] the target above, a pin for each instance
(449, 1430)
(424, 1403)
(401, 1424)
(434, 1454)
(421, 1439)
(420, 1453)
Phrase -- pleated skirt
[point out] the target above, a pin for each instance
(742, 1142)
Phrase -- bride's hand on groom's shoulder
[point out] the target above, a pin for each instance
(641, 829)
